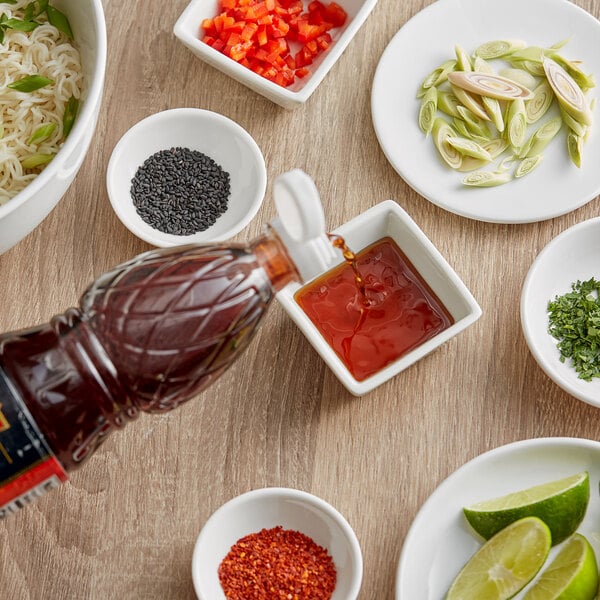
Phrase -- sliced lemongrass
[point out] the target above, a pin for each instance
(463, 60)
(586, 135)
(575, 146)
(516, 123)
(472, 164)
(560, 44)
(520, 76)
(428, 110)
(470, 102)
(469, 148)
(41, 134)
(494, 110)
(447, 102)
(486, 179)
(542, 137)
(506, 163)
(482, 66)
(584, 80)
(437, 76)
(495, 147)
(461, 127)
(475, 126)
(441, 131)
(568, 93)
(528, 53)
(36, 160)
(527, 165)
(573, 124)
(498, 48)
(537, 106)
(493, 86)
(534, 67)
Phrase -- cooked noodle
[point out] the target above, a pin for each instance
(44, 51)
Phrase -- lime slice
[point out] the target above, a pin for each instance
(561, 504)
(572, 575)
(505, 564)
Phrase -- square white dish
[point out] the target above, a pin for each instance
(388, 219)
(188, 30)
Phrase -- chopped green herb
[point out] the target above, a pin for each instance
(574, 321)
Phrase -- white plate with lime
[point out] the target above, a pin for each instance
(440, 541)
(424, 43)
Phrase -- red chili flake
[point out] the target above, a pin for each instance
(277, 564)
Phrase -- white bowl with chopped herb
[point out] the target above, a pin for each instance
(186, 176)
(42, 151)
(560, 310)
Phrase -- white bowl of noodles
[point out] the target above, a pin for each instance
(76, 70)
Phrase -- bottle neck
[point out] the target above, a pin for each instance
(273, 257)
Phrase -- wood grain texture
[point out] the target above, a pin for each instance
(125, 525)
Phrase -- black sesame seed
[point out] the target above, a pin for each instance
(180, 191)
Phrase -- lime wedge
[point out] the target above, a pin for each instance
(572, 575)
(505, 564)
(561, 504)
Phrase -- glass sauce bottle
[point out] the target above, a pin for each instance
(149, 335)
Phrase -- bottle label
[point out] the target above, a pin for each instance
(28, 468)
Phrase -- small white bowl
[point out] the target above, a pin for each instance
(187, 30)
(573, 255)
(271, 507)
(387, 219)
(220, 138)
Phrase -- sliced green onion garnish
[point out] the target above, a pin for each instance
(36, 160)
(70, 113)
(30, 83)
(42, 133)
(59, 20)
(19, 25)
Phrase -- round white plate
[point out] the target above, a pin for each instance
(425, 42)
(440, 540)
(573, 255)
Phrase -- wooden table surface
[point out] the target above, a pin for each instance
(124, 526)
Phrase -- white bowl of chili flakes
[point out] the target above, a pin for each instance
(281, 49)
(271, 540)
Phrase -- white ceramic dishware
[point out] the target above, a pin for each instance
(571, 256)
(187, 30)
(440, 541)
(556, 186)
(388, 219)
(213, 134)
(25, 211)
(267, 508)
